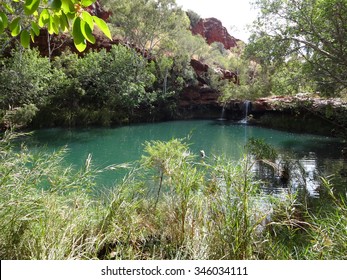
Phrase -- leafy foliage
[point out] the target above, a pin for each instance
(20, 116)
(25, 18)
(103, 82)
(193, 18)
(147, 24)
(42, 211)
(27, 78)
(260, 149)
(312, 31)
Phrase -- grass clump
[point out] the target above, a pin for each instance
(45, 212)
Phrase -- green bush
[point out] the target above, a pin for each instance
(19, 116)
(115, 87)
(27, 78)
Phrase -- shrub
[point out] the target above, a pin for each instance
(27, 78)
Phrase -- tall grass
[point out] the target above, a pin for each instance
(171, 205)
(45, 209)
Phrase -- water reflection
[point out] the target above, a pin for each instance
(304, 175)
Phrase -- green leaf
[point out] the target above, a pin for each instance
(14, 23)
(3, 19)
(31, 6)
(32, 35)
(8, 8)
(87, 3)
(15, 28)
(87, 32)
(88, 19)
(70, 16)
(1, 26)
(79, 41)
(50, 28)
(44, 18)
(53, 24)
(67, 6)
(35, 28)
(81, 46)
(56, 23)
(103, 26)
(64, 23)
(55, 4)
(25, 38)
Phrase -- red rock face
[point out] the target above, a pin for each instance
(198, 95)
(96, 10)
(213, 30)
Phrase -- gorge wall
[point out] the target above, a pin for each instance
(213, 31)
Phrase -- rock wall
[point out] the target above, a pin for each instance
(303, 101)
(213, 31)
(97, 10)
(304, 113)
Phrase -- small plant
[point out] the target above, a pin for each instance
(45, 209)
(178, 177)
(20, 116)
(260, 149)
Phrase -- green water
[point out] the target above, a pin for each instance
(125, 144)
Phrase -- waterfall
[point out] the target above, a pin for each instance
(222, 116)
(247, 107)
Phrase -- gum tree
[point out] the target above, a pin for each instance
(313, 31)
(146, 23)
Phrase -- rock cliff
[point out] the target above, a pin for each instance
(213, 31)
(304, 113)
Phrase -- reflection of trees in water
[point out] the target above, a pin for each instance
(287, 174)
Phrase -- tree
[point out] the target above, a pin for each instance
(27, 78)
(147, 24)
(27, 82)
(104, 80)
(194, 18)
(25, 18)
(314, 31)
(151, 28)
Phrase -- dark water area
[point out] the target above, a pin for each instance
(317, 155)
